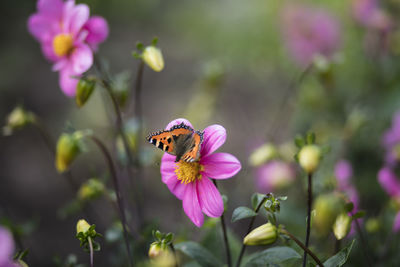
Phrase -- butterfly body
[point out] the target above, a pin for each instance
(181, 141)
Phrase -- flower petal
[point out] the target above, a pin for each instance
(40, 27)
(191, 205)
(6, 246)
(214, 137)
(67, 82)
(78, 16)
(210, 199)
(97, 28)
(389, 181)
(81, 59)
(396, 223)
(220, 165)
(168, 176)
(177, 122)
(51, 8)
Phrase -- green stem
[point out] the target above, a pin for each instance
(304, 247)
(91, 251)
(225, 235)
(309, 205)
(120, 202)
(248, 231)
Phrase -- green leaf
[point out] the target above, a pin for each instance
(199, 254)
(256, 199)
(340, 258)
(359, 214)
(349, 206)
(242, 213)
(282, 198)
(275, 256)
(311, 138)
(299, 141)
(154, 41)
(139, 46)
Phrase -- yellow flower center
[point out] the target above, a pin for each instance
(188, 172)
(62, 44)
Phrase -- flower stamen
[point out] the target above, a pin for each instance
(188, 172)
(63, 44)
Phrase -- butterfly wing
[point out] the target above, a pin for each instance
(193, 152)
(163, 140)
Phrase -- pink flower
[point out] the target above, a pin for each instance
(68, 38)
(309, 32)
(274, 175)
(190, 182)
(6, 248)
(343, 174)
(391, 184)
(368, 13)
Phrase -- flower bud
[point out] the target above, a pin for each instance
(309, 157)
(67, 150)
(82, 226)
(153, 58)
(17, 119)
(263, 235)
(327, 208)
(84, 90)
(342, 226)
(92, 189)
(155, 250)
(262, 154)
(372, 225)
(160, 255)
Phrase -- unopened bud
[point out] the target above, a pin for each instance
(263, 235)
(67, 150)
(84, 90)
(327, 208)
(155, 250)
(309, 157)
(17, 119)
(342, 226)
(91, 189)
(262, 154)
(152, 56)
(82, 226)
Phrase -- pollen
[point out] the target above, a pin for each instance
(188, 172)
(62, 44)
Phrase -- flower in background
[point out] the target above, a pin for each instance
(190, 182)
(391, 184)
(274, 175)
(68, 38)
(391, 141)
(309, 32)
(6, 249)
(368, 14)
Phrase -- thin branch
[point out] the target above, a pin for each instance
(91, 251)
(309, 205)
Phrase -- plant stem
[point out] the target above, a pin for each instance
(309, 205)
(91, 251)
(304, 247)
(364, 244)
(120, 202)
(175, 256)
(138, 106)
(228, 250)
(248, 231)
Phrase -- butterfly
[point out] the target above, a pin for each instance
(181, 141)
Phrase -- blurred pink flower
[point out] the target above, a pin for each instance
(68, 38)
(274, 175)
(391, 141)
(190, 182)
(343, 173)
(368, 14)
(391, 184)
(309, 32)
(6, 249)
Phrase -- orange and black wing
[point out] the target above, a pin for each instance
(193, 152)
(163, 140)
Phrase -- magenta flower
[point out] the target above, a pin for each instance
(391, 184)
(309, 32)
(274, 175)
(368, 14)
(190, 182)
(6, 249)
(68, 38)
(391, 141)
(343, 174)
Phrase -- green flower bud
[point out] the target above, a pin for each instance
(372, 225)
(17, 119)
(82, 226)
(342, 226)
(263, 235)
(262, 154)
(153, 58)
(92, 189)
(84, 90)
(327, 208)
(155, 250)
(67, 150)
(309, 157)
